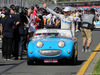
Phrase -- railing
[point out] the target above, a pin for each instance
(25, 3)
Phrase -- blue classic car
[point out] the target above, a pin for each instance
(52, 46)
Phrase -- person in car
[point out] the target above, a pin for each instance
(66, 19)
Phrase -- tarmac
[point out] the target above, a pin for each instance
(91, 66)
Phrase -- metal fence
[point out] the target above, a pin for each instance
(25, 3)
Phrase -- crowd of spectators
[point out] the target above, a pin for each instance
(18, 24)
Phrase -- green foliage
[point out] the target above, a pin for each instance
(96, 70)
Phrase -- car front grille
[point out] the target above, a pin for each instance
(50, 52)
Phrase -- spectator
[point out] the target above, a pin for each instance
(7, 24)
(16, 17)
(33, 24)
(86, 29)
(22, 31)
(0, 24)
(41, 21)
(29, 21)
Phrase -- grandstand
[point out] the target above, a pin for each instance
(80, 3)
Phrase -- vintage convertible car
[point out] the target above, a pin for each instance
(52, 46)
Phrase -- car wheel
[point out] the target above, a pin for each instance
(29, 62)
(74, 58)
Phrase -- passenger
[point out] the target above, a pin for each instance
(66, 20)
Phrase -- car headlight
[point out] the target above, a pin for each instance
(61, 44)
(39, 44)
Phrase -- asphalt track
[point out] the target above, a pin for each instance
(20, 67)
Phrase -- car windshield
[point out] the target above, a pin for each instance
(52, 34)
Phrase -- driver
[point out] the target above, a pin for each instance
(66, 19)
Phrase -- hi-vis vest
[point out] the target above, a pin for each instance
(87, 21)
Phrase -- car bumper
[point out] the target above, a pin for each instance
(51, 54)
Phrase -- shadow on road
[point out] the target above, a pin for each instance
(14, 65)
(60, 64)
(79, 62)
(95, 50)
(8, 64)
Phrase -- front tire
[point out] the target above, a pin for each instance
(29, 62)
(74, 58)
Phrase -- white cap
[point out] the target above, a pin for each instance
(66, 9)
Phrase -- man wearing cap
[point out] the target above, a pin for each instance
(66, 20)
(7, 24)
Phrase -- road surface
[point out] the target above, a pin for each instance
(20, 67)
